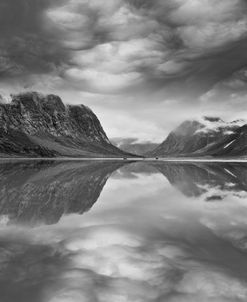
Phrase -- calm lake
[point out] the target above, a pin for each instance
(123, 232)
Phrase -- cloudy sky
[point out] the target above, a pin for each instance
(143, 66)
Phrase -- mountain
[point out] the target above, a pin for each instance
(36, 193)
(36, 125)
(206, 137)
(233, 144)
(132, 145)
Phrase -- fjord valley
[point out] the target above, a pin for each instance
(36, 125)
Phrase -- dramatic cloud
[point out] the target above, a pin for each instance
(189, 51)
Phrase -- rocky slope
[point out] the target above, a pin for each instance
(207, 137)
(36, 125)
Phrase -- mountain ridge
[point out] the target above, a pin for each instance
(38, 125)
(209, 136)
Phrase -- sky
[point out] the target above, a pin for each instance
(143, 66)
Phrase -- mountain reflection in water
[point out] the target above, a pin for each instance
(41, 192)
(168, 232)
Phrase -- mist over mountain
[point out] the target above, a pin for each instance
(133, 145)
(43, 126)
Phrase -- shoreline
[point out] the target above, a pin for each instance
(128, 159)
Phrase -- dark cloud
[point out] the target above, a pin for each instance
(25, 46)
(169, 44)
(152, 51)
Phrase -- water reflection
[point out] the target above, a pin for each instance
(41, 192)
(213, 180)
(148, 238)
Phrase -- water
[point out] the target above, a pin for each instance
(118, 232)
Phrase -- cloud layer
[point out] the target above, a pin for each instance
(189, 51)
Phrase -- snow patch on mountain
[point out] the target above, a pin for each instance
(229, 144)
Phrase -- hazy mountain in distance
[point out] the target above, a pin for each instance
(132, 145)
(36, 125)
(206, 137)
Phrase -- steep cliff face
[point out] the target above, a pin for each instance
(210, 136)
(37, 125)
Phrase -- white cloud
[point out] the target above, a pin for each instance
(171, 67)
(212, 35)
(119, 123)
(67, 19)
(113, 66)
(203, 11)
(103, 81)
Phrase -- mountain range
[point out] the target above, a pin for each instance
(208, 136)
(35, 125)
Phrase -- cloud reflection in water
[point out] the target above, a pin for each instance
(144, 240)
